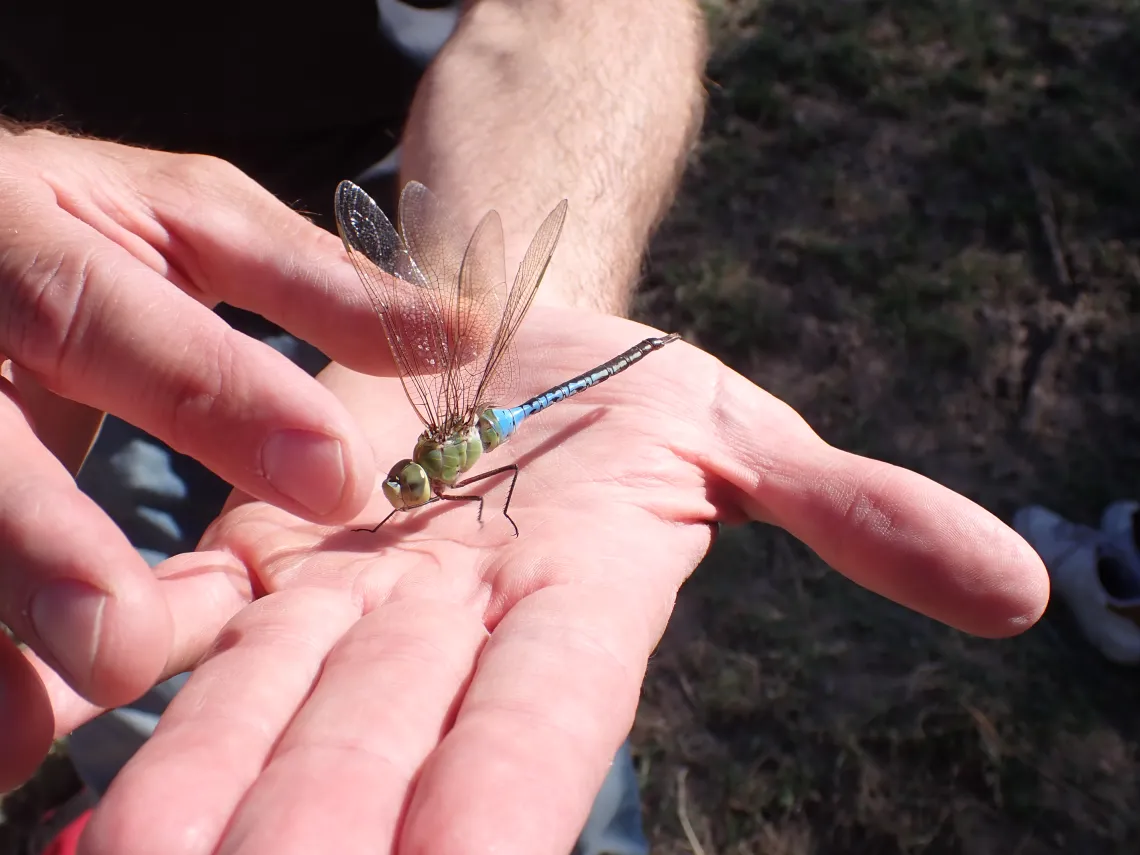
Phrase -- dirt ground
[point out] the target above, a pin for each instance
(927, 212)
(916, 222)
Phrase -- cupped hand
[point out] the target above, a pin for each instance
(110, 259)
(440, 686)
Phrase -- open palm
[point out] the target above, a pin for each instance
(440, 686)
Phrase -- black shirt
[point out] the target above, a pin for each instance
(298, 93)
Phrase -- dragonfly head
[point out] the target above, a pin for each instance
(407, 485)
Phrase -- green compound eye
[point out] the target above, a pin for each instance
(407, 485)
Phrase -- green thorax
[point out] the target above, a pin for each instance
(446, 460)
(440, 459)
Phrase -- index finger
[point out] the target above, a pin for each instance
(233, 241)
(95, 324)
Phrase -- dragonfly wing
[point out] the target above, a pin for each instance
(501, 370)
(483, 302)
(470, 295)
(433, 239)
(408, 303)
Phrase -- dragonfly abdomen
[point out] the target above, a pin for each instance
(498, 423)
(592, 378)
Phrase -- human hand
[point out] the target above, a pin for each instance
(440, 686)
(110, 258)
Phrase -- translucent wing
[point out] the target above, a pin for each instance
(475, 294)
(448, 316)
(483, 286)
(500, 371)
(414, 293)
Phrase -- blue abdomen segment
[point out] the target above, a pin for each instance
(497, 424)
(505, 420)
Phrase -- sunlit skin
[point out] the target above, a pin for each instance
(123, 233)
(442, 686)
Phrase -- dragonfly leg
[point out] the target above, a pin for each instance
(377, 526)
(405, 510)
(450, 498)
(513, 467)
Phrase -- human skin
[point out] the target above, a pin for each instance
(441, 686)
(331, 670)
(111, 258)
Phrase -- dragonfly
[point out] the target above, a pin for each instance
(451, 321)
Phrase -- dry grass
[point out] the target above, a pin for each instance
(927, 213)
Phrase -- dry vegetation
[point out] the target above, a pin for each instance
(917, 223)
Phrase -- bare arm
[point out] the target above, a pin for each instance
(535, 100)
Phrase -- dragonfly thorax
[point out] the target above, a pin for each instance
(439, 463)
(445, 461)
(434, 464)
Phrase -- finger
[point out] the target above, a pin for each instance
(552, 699)
(202, 223)
(94, 324)
(66, 428)
(203, 591)
(248, 249)
(73, 588)
(343, 770)
(178, 793)
(25, 717)
(886, 528)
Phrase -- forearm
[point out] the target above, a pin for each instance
(532, 101)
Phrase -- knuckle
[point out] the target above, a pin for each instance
(41, 302)
(199, 396)
(203, 170)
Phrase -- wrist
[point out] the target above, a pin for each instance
(592, 283)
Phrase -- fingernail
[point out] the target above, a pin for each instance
(307, 467)
(68, 618)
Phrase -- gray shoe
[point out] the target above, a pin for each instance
(1121, 525)
(1094, 577)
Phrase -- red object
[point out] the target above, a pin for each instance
(67, 841)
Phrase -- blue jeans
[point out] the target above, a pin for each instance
(163, 502)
